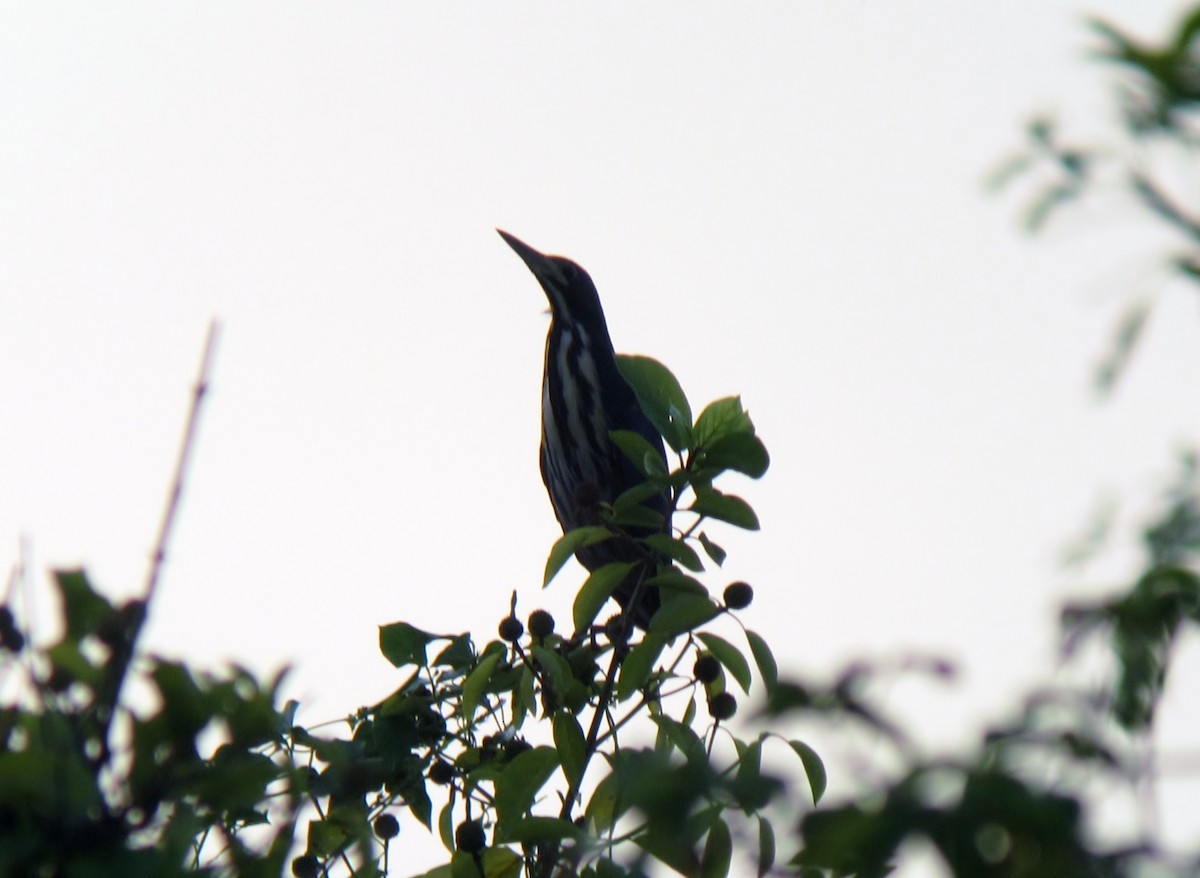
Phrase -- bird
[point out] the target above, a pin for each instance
(584, 399)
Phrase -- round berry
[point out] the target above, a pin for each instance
(441, 773)
(738, 595)
(469, 837)
(706, 669)
(386, 826)
(722, 706)
(541, 624)
(306, 866)
(511, 629)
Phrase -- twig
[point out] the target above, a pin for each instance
(181, 465)
(109, 692)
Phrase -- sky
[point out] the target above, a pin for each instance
(784, 201)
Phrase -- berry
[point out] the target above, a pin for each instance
(706, 669)
(541, 624)
(306, 866)
(386, 826)
(738, 595)
(441, 773)
(722, 706)
(469, 837)
(511, 629)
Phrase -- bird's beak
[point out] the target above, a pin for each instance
(543, 268)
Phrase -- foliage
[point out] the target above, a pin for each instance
(1158, 92)
(91, 786)
(602, 750)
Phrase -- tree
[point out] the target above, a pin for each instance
(603, 750)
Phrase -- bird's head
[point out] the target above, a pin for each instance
(573, 297)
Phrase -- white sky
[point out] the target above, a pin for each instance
(781, 200)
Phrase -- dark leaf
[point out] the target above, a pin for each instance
(729, 656)
(661, 398)
(403, 644)
(596, 589)
(568, 544)
(711, 503)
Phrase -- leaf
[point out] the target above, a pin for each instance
(729, 656)
(535, 830)
(636, 667)
(568, 544)
(572, 746)
(1120, 353)
(476, 683)
(602, 806)
(326, 837)
(814, 768)
(459, 654)
(675, 549)
(742, 452)
(554, 666)
(711, 503)
(661, 398)
(519, 782)
(83, 607)
(767, 667)
(595, 590)
(446, 827)
(671, 581)
(649, 460)
(711, 549)
(721, 418)
(402, 644)
(718, 852)
(683, 613)
(766, 846)
(683, 739)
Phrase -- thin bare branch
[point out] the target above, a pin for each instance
(181, 465)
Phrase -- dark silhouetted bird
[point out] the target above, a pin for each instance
(584, 398)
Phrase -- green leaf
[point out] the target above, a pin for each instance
(463, 865)
(595, 590)
(661, 398)
(1120, 353)
(499, 862)
(718, 852)
(476, 684)
(724, 417)
(636, 667)
(643, 455)
(742, 452)
(523, 697)
(766, 846)
(402, 644)
(520, 781)
(671, 582)
(537, 830)
(683, 613)
(767, 667)
(683, 739)
(711, 549)
(675, 549)
(729, 656)
(814, 768)
(568, 544)
(572, 746)
(446, 826)
(712, 503)
(83, 607)
(602, 806)
(554, 666)
(459, 654)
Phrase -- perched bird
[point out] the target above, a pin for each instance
(584, 398)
